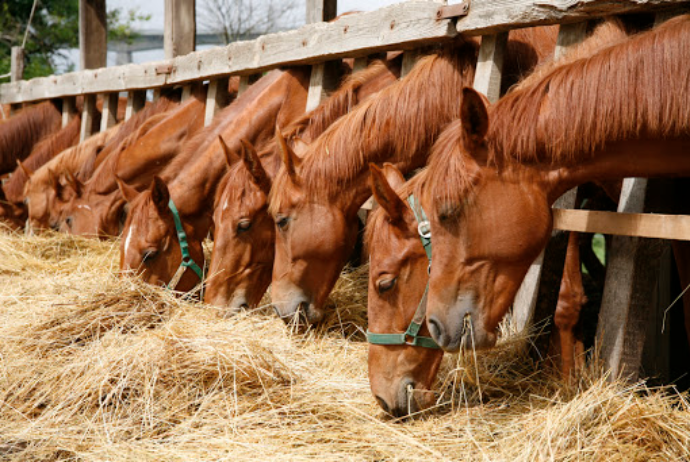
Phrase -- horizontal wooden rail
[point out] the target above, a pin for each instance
(658, 226)
(401, 26)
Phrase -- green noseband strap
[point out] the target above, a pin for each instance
(411, 337)
(187, 260)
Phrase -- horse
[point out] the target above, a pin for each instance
(97, 206)
(51, 188)
(315, 200)
(21, 132)
(244, 232)
(180, 201)
(489, 203)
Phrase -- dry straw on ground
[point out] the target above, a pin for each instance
(94, 367)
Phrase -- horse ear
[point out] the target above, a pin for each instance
(230, 157)
(160, 195)
(74, 183)
(250, 159)
(290, 159)
(128, 192)
(25, 169)
(394, 177)
(385, 195)
(474, 116)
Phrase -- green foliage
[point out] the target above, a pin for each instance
(54, 29)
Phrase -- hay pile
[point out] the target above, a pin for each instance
(94, 367)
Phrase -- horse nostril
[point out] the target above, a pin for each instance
(383, 404)
(437, 332)
(275, 310)
(244, 306)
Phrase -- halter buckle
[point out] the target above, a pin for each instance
(424, 229)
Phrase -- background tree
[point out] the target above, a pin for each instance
(235, 20)
(54, 29)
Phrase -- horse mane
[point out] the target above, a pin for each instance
(208, 135)
(160, 106)
(400, 120)
(43, 151)
(21, 132)
(627, 90)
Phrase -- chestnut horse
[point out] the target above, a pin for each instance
(98, 206)
(244, 232)
(53, 186)
(489, 203)
(315, 200)
(21, 132)
(181, 201)
(13, 210)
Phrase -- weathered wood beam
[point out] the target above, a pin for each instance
(179, 30)
(109, 113)
(321, 10)
(69, 109)
(93, 40)
(657, 226)
(88, 114)
(17, 64)
(135, 102)
(400, 26)
(216, 99)
(632, 270)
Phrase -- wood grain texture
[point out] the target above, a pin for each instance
(179, 29)
(401, 26)
(487, 78)
(69, 108)
(109, 113)
(216, 99)
(135, 102)
(93, 40)
(17, 64)
(88, 113)
(658, 226)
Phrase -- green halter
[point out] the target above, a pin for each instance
(187, 260)
(411, 337)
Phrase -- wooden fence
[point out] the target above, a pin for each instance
(406, 26)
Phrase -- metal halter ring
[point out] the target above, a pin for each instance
(424, 229)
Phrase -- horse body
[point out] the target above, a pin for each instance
(150, 245)
(315, 203)
(244, 232)
(98, 208)
(489, 201)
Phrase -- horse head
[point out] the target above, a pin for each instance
(401, 375)
(314, 239)
(244, 234)
(489, 222)
(150, 245)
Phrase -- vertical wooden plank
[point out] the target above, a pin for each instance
(157, 94)
(632, 270)
(321, 10)
(410, 58)
(17, 64)
(135, 102)
(321, 74)
(179, 35)
(87, 115)
(186, 92)
(535, 284)
(216, 98)
(69, 108)
(109, 114)
(487, 77)
(316, 90)
(360, 64)
(93, 45)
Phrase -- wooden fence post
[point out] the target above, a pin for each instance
(69, 108)
(487, 77)
(17, 64)
(109, 114)
(93, 41)
(87, 115)
(216, 98)
(179, 36)
(536, 300)
(324, 76)
(135, 102)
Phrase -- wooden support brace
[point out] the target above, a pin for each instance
(109, 114)
(536, 300)
(324, 78)
(632, 270)
(410, 58)
(360, 64)
(186, 92)
(487, 77)
(69, 108)
(216, 98)
(88, 113)
(135, 102)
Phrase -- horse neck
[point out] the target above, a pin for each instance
(281, 100)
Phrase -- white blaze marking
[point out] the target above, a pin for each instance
(128, 240)
(84, 207)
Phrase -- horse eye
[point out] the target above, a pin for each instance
(282, 221)
(386, 284)
(244, 225)
(149, 255)
(448, 212)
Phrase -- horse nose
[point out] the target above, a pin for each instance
(438, 333)
(405, 403)
(244, 307)
(383, 404)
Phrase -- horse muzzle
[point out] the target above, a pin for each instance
(298, 309)
(460, 326)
